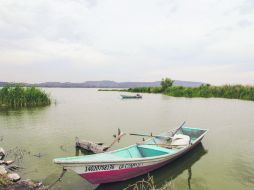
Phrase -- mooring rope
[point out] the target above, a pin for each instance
(59, 178)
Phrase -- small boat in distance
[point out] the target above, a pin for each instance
(131, 96)
(135, 160)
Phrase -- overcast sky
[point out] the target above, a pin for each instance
(127, 40)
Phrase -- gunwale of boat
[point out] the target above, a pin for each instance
(163, 157)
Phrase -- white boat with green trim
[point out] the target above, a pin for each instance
(137, 96)
(135, 160)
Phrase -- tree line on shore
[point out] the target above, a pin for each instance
(207, 91)
(20, 96)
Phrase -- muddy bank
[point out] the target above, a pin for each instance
(21, 185)
(10, 180)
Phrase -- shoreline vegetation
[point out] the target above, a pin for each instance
(17, 96)
(242, 92)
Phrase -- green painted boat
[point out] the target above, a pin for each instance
(135, 160)
(137, 96)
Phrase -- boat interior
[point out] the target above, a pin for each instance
(150, 148)
(157, 146)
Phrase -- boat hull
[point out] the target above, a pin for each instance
(131, 97)
(101, 177)
(135, 160)
(118, 175)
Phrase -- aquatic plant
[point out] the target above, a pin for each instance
(148, 184)
(20, 96)
(242, 92)
(226, 91)
(146, 90)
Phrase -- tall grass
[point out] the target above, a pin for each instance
(149, 184)
(227, 91)
(146, 90)
(19, 96)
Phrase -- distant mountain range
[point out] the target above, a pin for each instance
(106, 84)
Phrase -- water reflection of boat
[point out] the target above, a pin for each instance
(169, 172)
(135, 160)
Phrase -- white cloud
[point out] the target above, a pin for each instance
(215, 74)
(111, 38)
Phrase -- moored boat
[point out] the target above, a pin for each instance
(131, 96)
(135, 160)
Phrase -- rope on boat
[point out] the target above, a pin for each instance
(59, 178)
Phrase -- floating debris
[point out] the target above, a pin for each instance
(8, 162)
(39, 155)
(13, 168)
(63, 148)
(98, 147)
(17, 154)
(91, 146)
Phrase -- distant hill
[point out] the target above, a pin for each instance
(107, 84)
(3, 83)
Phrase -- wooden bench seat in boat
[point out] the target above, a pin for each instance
(153, 150)
(140, 151)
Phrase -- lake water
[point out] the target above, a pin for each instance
(225, 160)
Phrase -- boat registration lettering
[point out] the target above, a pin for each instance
(111, 167)
(100, 167)
(134, 165)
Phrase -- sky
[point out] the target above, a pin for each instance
(127, 40)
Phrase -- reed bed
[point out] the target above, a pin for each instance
(18, 96)
(205, 91)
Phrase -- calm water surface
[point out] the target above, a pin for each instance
(225, 160)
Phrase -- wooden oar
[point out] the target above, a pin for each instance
(145, 135)
(156, 144)
(117, 138)
(98, 147)
(158, 136)
(178, 128)
(162, 145)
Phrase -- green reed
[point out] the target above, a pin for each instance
(19, 96)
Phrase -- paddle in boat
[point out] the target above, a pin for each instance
(135, 160)
(131, 96)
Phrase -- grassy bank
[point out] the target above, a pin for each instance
(17, 96)
(206, 91)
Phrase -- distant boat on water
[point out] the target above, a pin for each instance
(131, 96)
